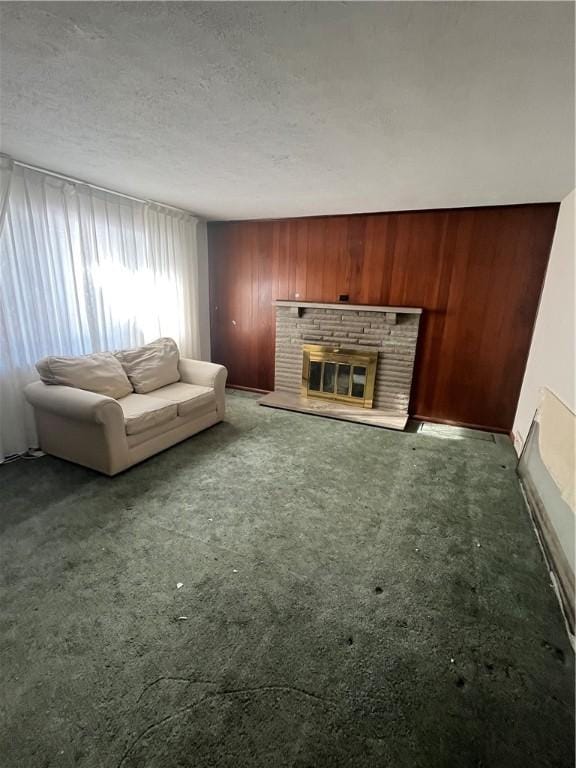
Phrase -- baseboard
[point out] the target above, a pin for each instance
(248, 389)
(553, 552)
(467, 424)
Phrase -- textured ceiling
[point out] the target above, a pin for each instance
(247, 110)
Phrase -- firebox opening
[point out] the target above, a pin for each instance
(336, 373)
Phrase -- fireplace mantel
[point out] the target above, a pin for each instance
(344, 305)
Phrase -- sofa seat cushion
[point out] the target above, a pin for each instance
(142, 412)
(191, 399)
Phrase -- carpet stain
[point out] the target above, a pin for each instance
(556, 652)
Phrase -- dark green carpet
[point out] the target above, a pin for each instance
(354, 597)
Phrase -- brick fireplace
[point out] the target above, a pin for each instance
(390, 332)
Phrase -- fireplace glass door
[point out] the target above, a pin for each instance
(336, 373)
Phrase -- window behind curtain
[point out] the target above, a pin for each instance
(83, 271)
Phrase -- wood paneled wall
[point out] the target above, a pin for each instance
(477, 273)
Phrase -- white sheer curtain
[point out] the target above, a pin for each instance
(81, 271)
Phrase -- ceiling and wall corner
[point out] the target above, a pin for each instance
(260, 110)
(203, 290)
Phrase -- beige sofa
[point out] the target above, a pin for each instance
(109, 411)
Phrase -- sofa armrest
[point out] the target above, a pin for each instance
(201, 373)
(72, 403)
(80, 426)
(206, 375)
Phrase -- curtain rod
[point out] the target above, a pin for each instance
(74, 180)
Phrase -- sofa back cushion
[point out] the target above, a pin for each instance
(152, 366)
(100, 372)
